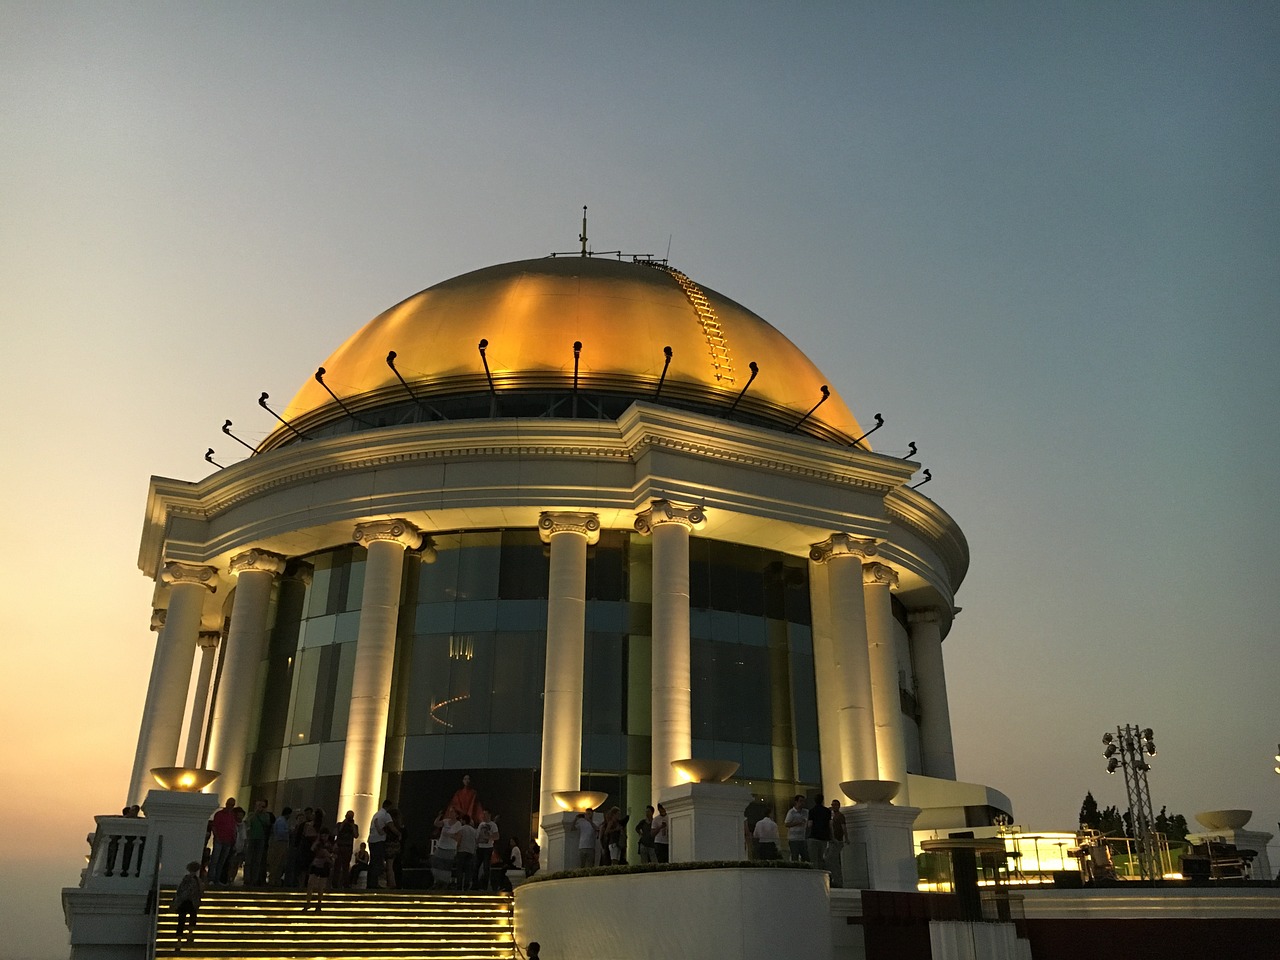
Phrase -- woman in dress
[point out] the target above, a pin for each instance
(318, 871)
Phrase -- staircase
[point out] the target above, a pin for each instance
(262, 924)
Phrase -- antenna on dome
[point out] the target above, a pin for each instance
(320, 371)
(493, 393)
(911, 450)
(663, 379)
(826, 392)
(582, 237)
(577, 354)
(927, 477)
(208, 455)
(743, 392)
(226, 428)
(262, 402)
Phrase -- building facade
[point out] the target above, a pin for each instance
(556, 524)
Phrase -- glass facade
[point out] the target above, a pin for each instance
(467, 691)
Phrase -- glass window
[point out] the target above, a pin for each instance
(438, 581)
(523, 567)
(479, 562)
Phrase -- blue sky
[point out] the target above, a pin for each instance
(1040, 239)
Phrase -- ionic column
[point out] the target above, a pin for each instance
(845, 697)
(208, 643)
(891, 745)
(140, 777)
(189, 584)
(256, 571)
(937, 755)
(386, 542)
(670, 690)
(568, 534)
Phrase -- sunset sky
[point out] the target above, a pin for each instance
(1043, 240)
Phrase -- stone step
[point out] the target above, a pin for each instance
(271, 925)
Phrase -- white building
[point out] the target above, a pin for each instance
(555, 532)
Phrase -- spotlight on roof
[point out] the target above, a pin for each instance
(663, 379)
(226, 428)
(911, 450)
(262, 402)
(320, 372)
(743, 392)
(488, 375)
(826, 392)
(208, 455)
(1113, 764)
(927, 477)
(879, 424)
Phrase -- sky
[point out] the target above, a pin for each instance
(1041, 239)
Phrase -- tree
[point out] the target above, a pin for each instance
(1089, 815)
(1110, 823)
(1174, 828)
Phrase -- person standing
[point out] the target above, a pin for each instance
(819, 831)
(839, 834)
(319, 870)
(766, 837)
(257, 830)
(378, 844)
(186, 900)
(344, 843)
(278, 848)
(661, 836)
(446, 855)
(584, 825)
(797, 824)
(223, 828)
(486, 837)
(644, 830)
(465, 862)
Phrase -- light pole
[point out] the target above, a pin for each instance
(1128, 749)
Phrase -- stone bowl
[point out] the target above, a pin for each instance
(579, 800)
(1224, 819)
(871, 791)
(184, 779)
(706, 771)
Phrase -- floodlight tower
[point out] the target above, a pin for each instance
(1128, 749)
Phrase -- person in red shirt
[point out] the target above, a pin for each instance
(223, 828)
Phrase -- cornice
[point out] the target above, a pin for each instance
(934, 526)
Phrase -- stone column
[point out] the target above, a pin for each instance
(140, 778)
(671, 697)
(189, 584)
(846, 701)
(891, 747)
(208, 644)
(568, 534)
(235, 706)
(937, 754)
(386, 541)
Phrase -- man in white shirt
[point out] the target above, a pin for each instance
(766, 836)
(585, 827)
(378, 845)
(486, 837)
(797, 824)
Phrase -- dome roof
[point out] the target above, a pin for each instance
(624, 314)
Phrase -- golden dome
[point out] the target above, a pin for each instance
(531, 313)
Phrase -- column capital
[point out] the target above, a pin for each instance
(584, 524)
(926, 615)
(879, 573)
(157, 619)
(209, 638)
(841, 545)
(398, 531)
(257, 561)
(176, 571)
(664, 511)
